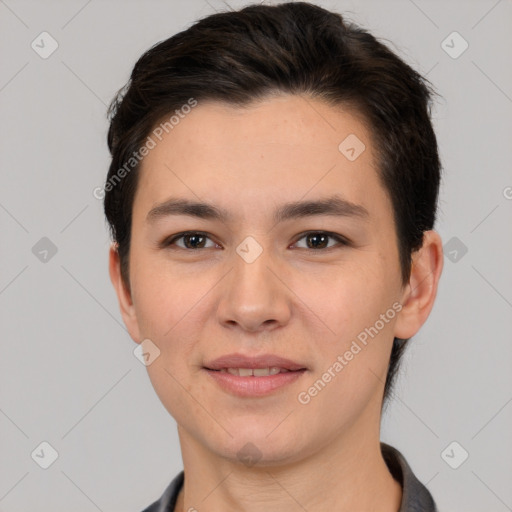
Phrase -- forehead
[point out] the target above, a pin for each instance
(284, 147)
(288, 122)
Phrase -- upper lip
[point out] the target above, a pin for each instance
(261, 361)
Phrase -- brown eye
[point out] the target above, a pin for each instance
(191, 240)
(320, 240)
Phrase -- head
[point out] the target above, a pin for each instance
(248, 111)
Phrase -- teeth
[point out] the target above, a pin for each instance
(256, 372)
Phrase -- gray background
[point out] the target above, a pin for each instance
(67, 370)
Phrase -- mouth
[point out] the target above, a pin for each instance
(259, 376)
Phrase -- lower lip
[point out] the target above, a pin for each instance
(253, 386)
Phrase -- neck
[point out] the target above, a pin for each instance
(346, 474)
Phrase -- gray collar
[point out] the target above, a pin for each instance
(415, 496)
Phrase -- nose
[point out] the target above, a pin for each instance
(254, 296)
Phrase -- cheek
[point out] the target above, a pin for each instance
(347, 301)
(167, 312)
(352, 363)
(163, 299)
(172, 310)
(358, 309)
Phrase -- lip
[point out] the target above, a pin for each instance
(261, 361)
(251, 386)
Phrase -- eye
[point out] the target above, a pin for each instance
(195, 240)
(191, 240)
(320, 240)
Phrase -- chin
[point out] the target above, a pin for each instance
(258, 447)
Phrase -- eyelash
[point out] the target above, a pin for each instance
(342, 241)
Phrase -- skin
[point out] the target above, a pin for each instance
(307, 304)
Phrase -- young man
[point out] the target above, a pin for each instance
(271, 198)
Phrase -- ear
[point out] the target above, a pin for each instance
(123, 295)
(419, 294)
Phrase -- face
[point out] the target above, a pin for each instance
(308, 284)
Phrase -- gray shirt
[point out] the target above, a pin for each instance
(415, 496)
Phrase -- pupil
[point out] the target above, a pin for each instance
(192, 240)
(316, 236)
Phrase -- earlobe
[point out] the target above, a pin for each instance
(123, 294)
(419, 295)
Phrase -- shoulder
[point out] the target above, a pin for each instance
(415, 496)
(167, 501)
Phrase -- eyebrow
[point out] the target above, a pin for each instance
(334, 205)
